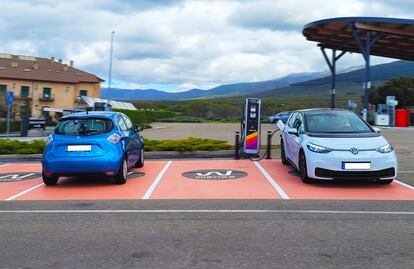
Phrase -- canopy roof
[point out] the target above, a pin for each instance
(394, 38)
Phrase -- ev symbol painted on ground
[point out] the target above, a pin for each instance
(18, 176)
(214, 174)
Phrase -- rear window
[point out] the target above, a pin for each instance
(83, 126)
(335, 122)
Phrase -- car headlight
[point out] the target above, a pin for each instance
(318, 149)
(114, 138)
(385, 149)
(49, 139)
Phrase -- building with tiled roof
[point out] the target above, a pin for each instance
(41, 82)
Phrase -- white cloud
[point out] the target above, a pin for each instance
(192, 44)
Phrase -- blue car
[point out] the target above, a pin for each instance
(92, 143)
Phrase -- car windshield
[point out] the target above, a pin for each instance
(335, 122)
(83, 126)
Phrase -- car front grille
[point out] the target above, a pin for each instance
(389, 172)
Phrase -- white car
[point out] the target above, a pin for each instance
(332, 144)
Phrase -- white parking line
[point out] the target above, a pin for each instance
(404, 184)
(24, 192)
(245, 211)
(4, 164)
(154, 184)
(272, 181)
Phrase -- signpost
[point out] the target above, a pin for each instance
(9, 102)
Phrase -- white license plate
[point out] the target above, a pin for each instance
(80, 148)
(356, 166)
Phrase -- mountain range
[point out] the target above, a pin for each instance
(298, 82)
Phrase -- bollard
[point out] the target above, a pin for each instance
(237, 146)
(269, 145)
(24, 125)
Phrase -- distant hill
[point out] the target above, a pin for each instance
(236, 89)
(349, 82)
(381, 72)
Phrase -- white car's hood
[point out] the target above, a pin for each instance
(346, 143)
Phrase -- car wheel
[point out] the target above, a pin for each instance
(122, 175)
(140, 162)
(283, 153)
(49, 181)
(387, 181)
(303, 170)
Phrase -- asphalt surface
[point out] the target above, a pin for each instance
(355, 235)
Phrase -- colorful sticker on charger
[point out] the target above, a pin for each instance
(252, 140)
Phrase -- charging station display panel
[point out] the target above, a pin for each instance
(252, 126)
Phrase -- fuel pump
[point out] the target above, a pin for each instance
(250, 127)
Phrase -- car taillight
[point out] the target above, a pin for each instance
(114, 138)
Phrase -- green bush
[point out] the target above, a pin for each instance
(140, 117)
(189, 144)
(21, 147)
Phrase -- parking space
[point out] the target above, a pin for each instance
(214, 179)
(194, 179)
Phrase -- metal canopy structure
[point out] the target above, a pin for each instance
(385, 37)
(90, 101)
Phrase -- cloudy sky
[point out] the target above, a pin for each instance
(180, 45)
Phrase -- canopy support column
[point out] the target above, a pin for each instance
(366, 53)
(332, 67)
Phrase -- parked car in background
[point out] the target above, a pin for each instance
(336, 144)
(283, 116)
(92, 143)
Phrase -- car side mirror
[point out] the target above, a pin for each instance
(376, 129)
(292, 131)
(138, 129)
(280, 125)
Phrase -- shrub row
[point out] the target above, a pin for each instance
(140, 117)
(21, 147)
(189, 144)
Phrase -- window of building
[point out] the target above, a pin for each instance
(3, 89)
(47, 93)
(83, 93)
(24, 91)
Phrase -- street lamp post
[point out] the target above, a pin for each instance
(110, 60)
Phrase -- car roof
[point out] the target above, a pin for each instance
(93, 114)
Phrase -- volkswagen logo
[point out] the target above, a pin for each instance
(354, 151)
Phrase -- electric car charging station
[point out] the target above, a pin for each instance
(252, 174)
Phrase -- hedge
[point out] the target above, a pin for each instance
(189, 144)
(139, 117)
(21, 147)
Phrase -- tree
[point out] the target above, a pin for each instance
(402, 88)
